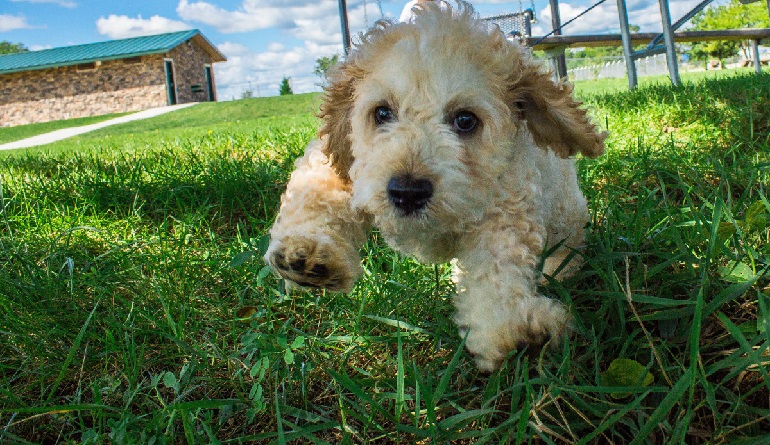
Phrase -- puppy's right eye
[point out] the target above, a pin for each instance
(465, 122)
(383, 115)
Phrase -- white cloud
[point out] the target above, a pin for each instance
(12, 22)
(233, 49)
(316, 24)
(62, 3)
(122, 26)
(317, 21)
(250, 16)
(261, 72)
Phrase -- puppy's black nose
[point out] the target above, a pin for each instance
(409, 194)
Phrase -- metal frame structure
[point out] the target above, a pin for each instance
(654, 46)
(555, 46)
(559, 59)
(343, 6)
(515, 24)
(668, 36)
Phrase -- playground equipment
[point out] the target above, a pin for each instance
(555, 44)
(518, 24)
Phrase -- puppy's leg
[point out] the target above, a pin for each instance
(565, 213)
(316, 236)
(497, 303)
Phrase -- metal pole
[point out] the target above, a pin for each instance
(628, 50)
(560, 60)
(528, 14)
(685, 18)
(344, 26)
(668, 39)
(757, 59)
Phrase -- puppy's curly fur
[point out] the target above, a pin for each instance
(454, 143)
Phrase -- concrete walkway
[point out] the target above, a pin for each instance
(65, 133)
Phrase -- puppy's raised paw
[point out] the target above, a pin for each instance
(546, 324)
(309, 263)
(534, 323)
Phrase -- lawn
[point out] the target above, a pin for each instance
(619, 85)
(135, 307)
(224, 119)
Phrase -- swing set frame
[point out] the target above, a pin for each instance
(555, 44)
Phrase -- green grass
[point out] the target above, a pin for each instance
(135, 308)
(11, 134)
(619, 85)
(192, 123)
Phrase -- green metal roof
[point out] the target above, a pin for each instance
(109, 50)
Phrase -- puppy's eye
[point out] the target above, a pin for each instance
(465, 122)
(383, 115)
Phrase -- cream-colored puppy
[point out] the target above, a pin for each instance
(454, 143)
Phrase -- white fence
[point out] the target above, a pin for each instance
(648, 66)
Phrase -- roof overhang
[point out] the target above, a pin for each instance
(176, 39)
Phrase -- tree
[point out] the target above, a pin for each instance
(323, 64)
(733, 15)
(7, 47)
(285, 88)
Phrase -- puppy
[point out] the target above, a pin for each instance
(456, 145)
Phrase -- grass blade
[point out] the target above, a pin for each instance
(71, 355)
(666, 406)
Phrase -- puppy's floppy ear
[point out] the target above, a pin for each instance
(335, 111)
(554, 117)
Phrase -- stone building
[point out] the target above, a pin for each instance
(107, 77)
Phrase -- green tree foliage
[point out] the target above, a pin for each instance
(731, 15)
(323, 64)
(285, 88)
(7, 47)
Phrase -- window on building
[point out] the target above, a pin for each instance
(86, 66)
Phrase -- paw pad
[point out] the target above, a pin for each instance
(307, 263)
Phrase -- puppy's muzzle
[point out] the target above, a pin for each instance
(409, 194)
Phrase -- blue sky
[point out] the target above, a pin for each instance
(265, 40)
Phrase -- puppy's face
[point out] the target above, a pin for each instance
(425, 119)
(430, 134)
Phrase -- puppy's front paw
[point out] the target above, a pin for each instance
(546, 323)
(534, 323)
(309, 263)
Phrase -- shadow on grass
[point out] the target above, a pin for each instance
(227, 179)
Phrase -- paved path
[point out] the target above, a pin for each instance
(65, 133)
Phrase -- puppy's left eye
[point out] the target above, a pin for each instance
(383, 115)
(465, 122)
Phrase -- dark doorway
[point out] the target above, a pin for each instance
(210, 83)
(170, 84)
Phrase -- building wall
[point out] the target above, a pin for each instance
(113, 86)
(189, 67)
